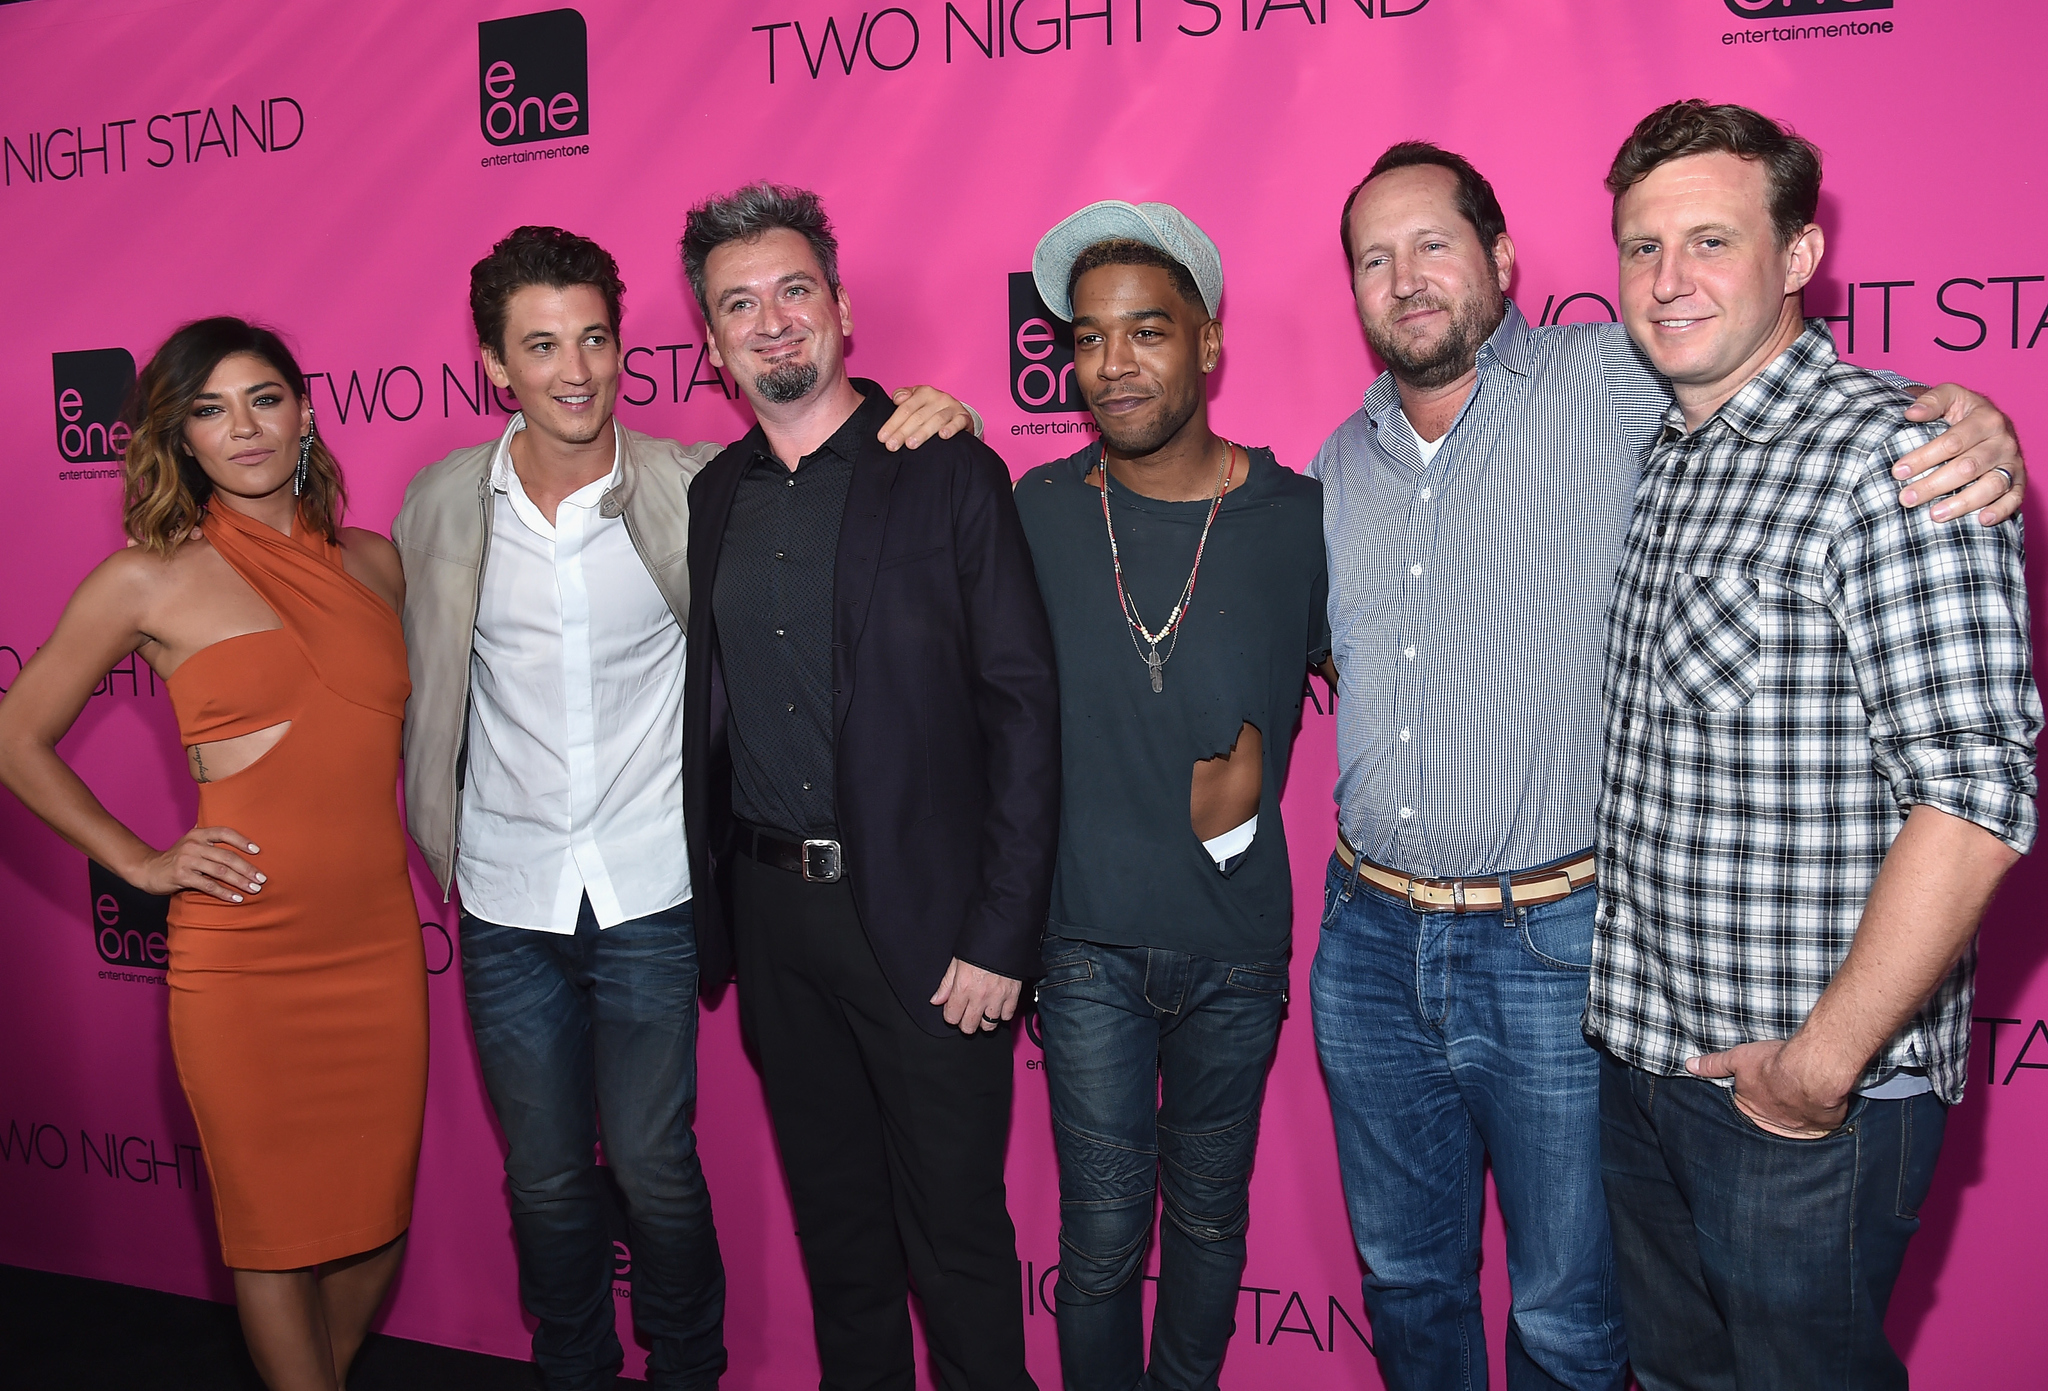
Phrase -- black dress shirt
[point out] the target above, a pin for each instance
(773, 606)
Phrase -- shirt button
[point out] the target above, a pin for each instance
(1660, 528)
(779, 555)
(1409, 653)
(791, 707)
(789, 482)
(1404, 736)
(1407, 812)
(1425, 495)
(1415, 569)
(778, 632)
(807, 787)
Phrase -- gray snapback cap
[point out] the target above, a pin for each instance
(1158, 225)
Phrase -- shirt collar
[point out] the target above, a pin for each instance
(1775, 397)
(503, 475)
(1507, 345)
(854, 435)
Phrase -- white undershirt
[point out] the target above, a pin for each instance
(574, 779)
(1234, 841)
(1428, 448)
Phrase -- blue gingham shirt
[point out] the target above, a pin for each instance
(1793, 663)
(1468, 598)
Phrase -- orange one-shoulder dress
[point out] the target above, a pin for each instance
(299, 1016)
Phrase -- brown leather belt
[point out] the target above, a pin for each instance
(1530, 889)
(818, 861)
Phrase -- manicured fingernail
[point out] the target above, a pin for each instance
(254, 887)
(263, 879)
(253, 848)
(237, 897)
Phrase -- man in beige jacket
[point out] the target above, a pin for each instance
(543, 773)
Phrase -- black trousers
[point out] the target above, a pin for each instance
(893, 1143)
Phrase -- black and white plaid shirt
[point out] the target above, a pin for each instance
(1793, 662)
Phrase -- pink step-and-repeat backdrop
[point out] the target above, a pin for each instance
(335, 169)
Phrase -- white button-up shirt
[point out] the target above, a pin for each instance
(575, 780)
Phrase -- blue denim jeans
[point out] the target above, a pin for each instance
(1749, 1260)
(1156, 1063)
(586, 1035)
(1448, 1039)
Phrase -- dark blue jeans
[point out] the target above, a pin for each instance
(1156, 1063)
(588, 1035)
(1446, 1039)
(1750, 1261)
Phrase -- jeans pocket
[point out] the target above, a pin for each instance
(1333, 890)
(1065, 963)
(1923, 1120)
(1560, 934)
(1259, 977)
(1747, 1122)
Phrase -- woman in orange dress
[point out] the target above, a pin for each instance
(298, 1006)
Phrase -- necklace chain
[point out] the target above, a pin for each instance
(1171, 628)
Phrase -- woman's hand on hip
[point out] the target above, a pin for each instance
(204, 858)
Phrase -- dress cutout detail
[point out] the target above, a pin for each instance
(299, 1016)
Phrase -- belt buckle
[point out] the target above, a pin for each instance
(828, 859)
(1456, 905)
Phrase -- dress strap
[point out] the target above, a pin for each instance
(345, 630)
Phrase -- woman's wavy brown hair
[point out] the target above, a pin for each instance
(165, 492)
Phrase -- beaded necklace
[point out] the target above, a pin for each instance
(1149, 652)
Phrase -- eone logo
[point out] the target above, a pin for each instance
(1785, 9)
(1041, 353)
(128, 925)
(90, 388)
(535, 76)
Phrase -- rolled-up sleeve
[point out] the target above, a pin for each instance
(1936, 619)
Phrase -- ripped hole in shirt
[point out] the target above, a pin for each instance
(1223, 792)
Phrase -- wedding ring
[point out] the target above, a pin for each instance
(2008, 477)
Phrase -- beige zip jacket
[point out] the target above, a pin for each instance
(444, 538)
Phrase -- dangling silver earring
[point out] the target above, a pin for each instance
(305, 456)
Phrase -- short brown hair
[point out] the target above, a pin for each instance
(539, 256)
(164, 491)
(750, 213)
(1692, 127)
(1476, 202)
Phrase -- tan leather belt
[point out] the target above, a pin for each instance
(1531, 889)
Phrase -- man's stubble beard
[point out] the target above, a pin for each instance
(1138, 445)
(1472, 323)
(783, 385)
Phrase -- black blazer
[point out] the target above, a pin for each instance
(945, 713)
